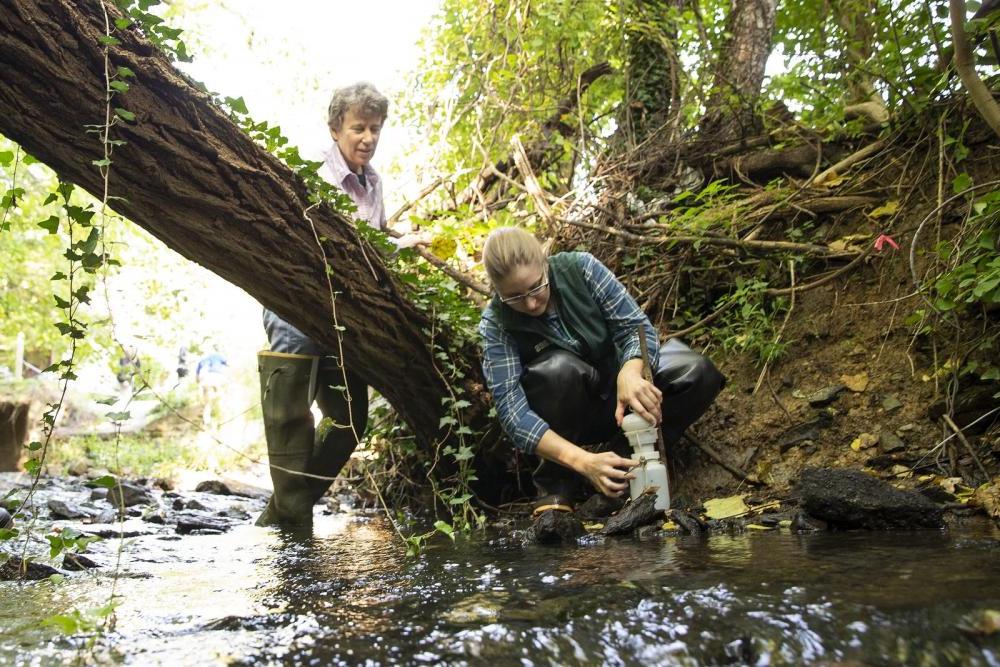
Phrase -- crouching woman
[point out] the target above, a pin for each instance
(563, 360)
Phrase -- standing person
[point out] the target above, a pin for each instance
(297, 370)
(563, 360)
(211, 376)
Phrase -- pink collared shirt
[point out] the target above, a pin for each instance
(368, 197)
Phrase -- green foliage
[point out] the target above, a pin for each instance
(748, 327)
(972, 278)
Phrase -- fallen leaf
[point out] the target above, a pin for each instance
(785, 523)
(885, 210)
(864, 441)
(593, 526)
(757, 526)
(831, 181)
(670, 525)
(987, 496)
(856, 383)
(983, 623)
(726, 508)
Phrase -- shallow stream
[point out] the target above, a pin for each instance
(348, 595)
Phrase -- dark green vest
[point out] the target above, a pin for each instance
(578, 311)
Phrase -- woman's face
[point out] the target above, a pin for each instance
(526, 289)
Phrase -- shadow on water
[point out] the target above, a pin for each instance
(346, 594)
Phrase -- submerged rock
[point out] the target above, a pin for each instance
(15, 569)
(688, 522)
(189, 522)
(554, 527)
(62, 509)
(230, 487)
(129, 495)
(75, 562)
(852, 499)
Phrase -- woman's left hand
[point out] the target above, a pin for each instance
(637, 393)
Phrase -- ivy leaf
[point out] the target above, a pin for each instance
(124, 73)
(105, 481)
(34, 446)
(123, 23)
(124, 114)
(237, 105)
(6, 157)
(119, 86)
(961, 183)
(124, 415)
(108, 40)
(50, 224)
(101, 163)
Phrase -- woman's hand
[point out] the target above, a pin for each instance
(637, 393)
(608, 472)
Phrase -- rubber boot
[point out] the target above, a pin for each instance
(336, 445)
(286, 390)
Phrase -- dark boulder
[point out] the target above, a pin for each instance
(555, 527)
(599, 506)
(852, 499)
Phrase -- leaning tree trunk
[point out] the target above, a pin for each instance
(194, 180)
(731, 109)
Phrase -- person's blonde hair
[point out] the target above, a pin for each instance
(507, 248)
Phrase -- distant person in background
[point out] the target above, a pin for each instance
(297, 370)
(128, 367)
(211, 375)
(182, 364)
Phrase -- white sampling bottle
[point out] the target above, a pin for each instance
(651, 471)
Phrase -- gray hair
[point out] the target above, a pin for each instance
(363, 97)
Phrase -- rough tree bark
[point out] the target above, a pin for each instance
(192, 178)
(739, 73)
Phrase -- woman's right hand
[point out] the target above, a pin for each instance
(608, 472)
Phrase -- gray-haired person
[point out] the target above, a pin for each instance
(297, 370)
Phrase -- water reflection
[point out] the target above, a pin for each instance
(346, 594)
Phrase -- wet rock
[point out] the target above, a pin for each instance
(230, 487)
(99, 493)
(890, 443)
(803, 523)
(891, 404)
(130, 495)
(647, 531)
(106, 515)
(852, 499)
(189, 522)
(688, 522)
(62, 509)
(769, 520)
(15, 569)
(807, 431)
(599, 506)
(192, 504)
(825, 396)
(76, 562)
(155, 515)
(639, 512)
(554, 527)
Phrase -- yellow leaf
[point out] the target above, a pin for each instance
(726, 508)
(987, 496)
(856, 383)
(670, 525)
(757, 526)
(443, 247)
(833, 180)
(593, 526)
(785, 523)
(885, 210)
(864, 441)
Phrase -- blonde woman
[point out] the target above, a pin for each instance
(563, 361)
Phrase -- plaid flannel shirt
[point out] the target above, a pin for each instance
(502, 364)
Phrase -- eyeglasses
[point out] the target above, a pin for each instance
(521, 297)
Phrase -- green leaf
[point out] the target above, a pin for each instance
(105, 481)
(108, 40)
(961, 183)
(446, 421)
(69, 625)
(119, 86)
(32, 466)
(124, 73)
(6, 157)
(237, 105)
(124, 114)
(444, 527)
(50, 224)
(34, 446)
(123, 23)
(119, 416)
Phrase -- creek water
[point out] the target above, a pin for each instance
(347, 594)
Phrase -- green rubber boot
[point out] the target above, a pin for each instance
(287, 390)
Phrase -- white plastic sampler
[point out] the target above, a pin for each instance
(651, 471)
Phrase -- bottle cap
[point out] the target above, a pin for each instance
(634, 422)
